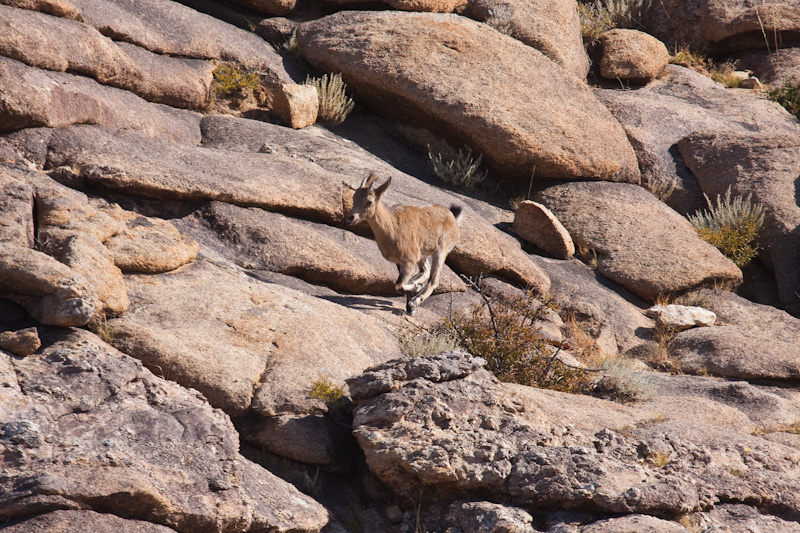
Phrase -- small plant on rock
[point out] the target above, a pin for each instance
(504, 333)
(622, 382)
(333, 396)
(724, 73)
(595, 20)
(788, 95)
(231, 80)
(501, 18)
(457, 168)
(420, 342)
(661, 187)
(334, 104)
(732, 225)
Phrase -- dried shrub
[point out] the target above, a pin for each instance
(334, 104)
(420, 342)
(457, 168)
(686, 57)
(732, 225)
(595, 21)
(661, 187)
(504, 333)
(501, 18)
(231, 80)
(787, 95)
(724, 73)
(622, 382)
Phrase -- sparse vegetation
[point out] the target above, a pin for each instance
(588, 256)
(334, 104)
(622, 382)
(661, 187)
(231, 80)
(732, 225)
(504, 333)
(501, 18)
(515, 202)
(332, 395)
(659, 459)
(600, 16)
(419, 342)
(102, 329)
(724, 73)
(685, 57)
(787, 95)
(291, 45)
(457, 168)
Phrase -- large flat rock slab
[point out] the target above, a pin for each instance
(639, 242)
(254, 344)
(64, 45)
(31, 97)
(766, 168)
(475, 86)
(132, 163)
(87, 427)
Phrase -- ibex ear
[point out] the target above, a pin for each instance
(368, 181)
(382, 189)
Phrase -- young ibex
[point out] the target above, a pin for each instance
(408, 236)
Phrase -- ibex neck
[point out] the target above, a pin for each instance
(383, 223)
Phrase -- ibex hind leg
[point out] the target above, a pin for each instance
(437, 262)
(422, 277)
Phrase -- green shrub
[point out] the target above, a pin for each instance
(457, 168)
(334, 104)
(232, 80)
(504, 333)
(732, 225)
(339, 405)
(788, 95)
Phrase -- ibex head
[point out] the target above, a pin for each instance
(366, 199)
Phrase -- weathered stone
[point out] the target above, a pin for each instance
(632, 55)
(134, 164)
(49, 290)
(536, 224)
(752, 341)
(482, 250)
(82, 522)
(463, 435)
(413, 65)
(272, 338)
(16, 211)
(766, 168)
(276, 30)
(657, 116)
(633, 524)
(430, 6)
(272, 8)
(32, 97)
(58, 8)
(169, 28)
(551, 27)
(721, 26)
(738, 517)
(296, 105)
(639, 242)
(681, 317)
(86, 427)
(474, 517)
(148, 244)
(23, 342)
(776, 67)
(320, 254)
(63, 45)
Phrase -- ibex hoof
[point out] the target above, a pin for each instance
(410, 308)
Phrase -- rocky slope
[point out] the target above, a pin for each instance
(175, 276)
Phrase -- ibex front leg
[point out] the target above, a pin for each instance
(405, 285)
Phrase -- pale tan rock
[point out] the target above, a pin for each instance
(23, 342)
(33, 97)
(474, 85)
(272, 8)
(296, 105)
(48, 289)
(430, 6)
(58, 8)
(148, 244)
(638, 241)
(84, 522)
(632, 55)
(16, 211)
(536, 224)
(117, 429)
(273, 337)
(552, 27)
(681, 317)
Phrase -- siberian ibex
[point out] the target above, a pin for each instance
(408, 236)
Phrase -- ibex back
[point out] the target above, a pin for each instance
(409, 237)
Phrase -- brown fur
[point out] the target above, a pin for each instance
(408, 236)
